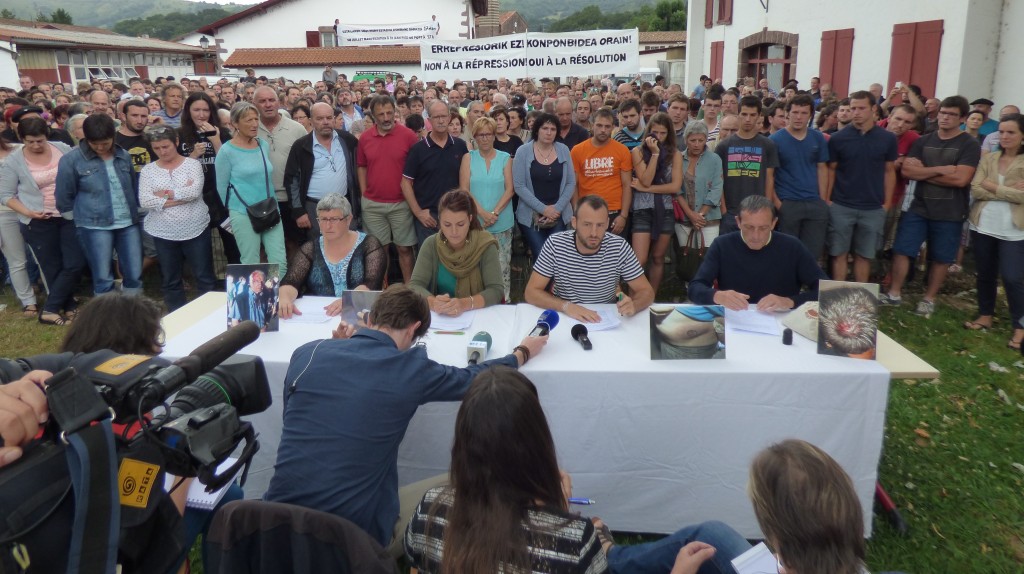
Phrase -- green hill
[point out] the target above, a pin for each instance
(541, 13)
(106, 13)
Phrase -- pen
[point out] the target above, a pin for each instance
(619, 296)
(582, 501)
(449, 332)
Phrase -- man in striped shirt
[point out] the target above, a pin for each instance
(587, 265)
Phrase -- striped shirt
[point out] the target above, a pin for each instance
(587, 279)
(627, 139)
(557, 542)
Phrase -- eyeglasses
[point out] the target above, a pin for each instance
(325, 220)
(484, 135)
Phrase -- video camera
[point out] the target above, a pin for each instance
(189, 437)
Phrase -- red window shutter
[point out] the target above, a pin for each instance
(312, 39)
(902, 56)
(828, 56)
(843, 60)
(725, 12)
(709, 13)
(925, 66)
(717, 53)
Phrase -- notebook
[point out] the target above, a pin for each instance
(197, 496)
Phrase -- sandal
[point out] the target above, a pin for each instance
(58, 320)
(955, 268)
(30, 310)
(976, 326)
(604, 534)
(1015, 345)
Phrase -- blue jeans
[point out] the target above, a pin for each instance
(198, 521)
(198, 253)
(659, 556)
(54, 244)
(535, 238)
(99, 245)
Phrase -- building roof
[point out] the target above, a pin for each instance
(346, 55)
(662, 37)
(38, 34)
(479, 7)
(506, 16)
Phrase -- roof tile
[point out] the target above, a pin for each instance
(662, 37)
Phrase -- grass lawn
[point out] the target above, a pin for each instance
(953, 459)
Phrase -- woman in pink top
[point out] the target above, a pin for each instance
(27, 186)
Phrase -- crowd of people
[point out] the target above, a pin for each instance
(599, 180)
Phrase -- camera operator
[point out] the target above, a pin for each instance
(22, 410)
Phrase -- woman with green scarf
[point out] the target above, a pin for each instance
(457, 269)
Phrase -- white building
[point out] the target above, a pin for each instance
(290, 25)
(946, 47)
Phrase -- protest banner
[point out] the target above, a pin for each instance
(532, 54)
(386, 34)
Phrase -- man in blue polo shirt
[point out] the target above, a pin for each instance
(801, 179)
(431, 170)
(862, 178)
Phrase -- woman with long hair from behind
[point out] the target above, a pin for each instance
(808, 510)
(506, 508)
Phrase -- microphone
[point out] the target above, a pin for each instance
(478, 347)
(579, 334)
(219, 349)
(547, 321)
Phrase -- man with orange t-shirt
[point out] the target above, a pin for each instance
(604, 167)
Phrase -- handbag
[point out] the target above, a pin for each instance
(690, 255)
(263, 214)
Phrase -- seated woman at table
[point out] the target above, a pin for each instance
(507, 507)
(807, 508)
(457, 269)
(339, 260)
(138, 332)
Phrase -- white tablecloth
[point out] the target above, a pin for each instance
(658, 444)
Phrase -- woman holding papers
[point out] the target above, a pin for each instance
(339, 260)
(457, 269)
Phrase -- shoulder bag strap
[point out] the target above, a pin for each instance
(266, 172)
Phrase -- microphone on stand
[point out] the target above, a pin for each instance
(579, 334)
(478, 347)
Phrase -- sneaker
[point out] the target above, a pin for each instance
(888, 300)
(925, 308)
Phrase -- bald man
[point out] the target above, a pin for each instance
(569, 132)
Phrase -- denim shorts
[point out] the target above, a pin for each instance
(643, 221)
(855, 230)
(943, 237)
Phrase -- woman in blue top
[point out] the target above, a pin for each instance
(544, 180)
(243, 165)
(487, 174)
(96, 184)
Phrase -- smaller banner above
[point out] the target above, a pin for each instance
(386, 34)
(533, 55)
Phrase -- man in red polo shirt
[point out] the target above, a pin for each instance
(380, 160)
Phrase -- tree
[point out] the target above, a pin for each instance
(61, 16)
(666, 15)
(8, 15)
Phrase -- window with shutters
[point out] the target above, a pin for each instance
(717, 54)
(836, 57)
(312, 39)
(915, 55)
(724, 12)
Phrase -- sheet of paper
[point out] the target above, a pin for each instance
(313, 312)
(609, 320)
(447, 323)
(752, 321)
(757, 560)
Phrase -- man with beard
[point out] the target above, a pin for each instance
(604, 167)
(631, 130)
(381, 156)
(587, 265)
(130, 137)
(350, 112)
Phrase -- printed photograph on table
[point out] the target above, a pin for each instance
(356, 305)
(687, 332)
(848, 319)
(252, 295)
